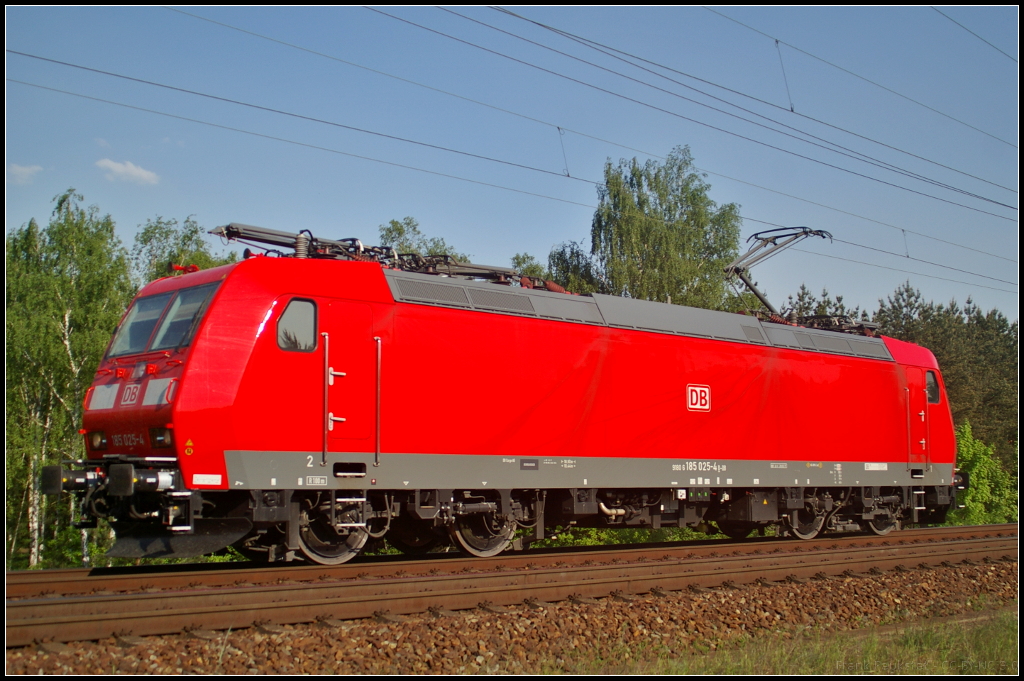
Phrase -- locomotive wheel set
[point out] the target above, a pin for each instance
(303, 405)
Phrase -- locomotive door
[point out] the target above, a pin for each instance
(350, 375)
(917, 413)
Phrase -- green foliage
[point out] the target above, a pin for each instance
(656, 235)
(572, 267)
(527, 265)
(67, 286)
(592, 536)
(991, 496)
(806, 303)
(978, 354)
(161, 242)
(405, 237)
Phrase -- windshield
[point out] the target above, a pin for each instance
(178, 320)
(177, 313)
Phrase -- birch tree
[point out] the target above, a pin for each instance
(67, 286)
(656, 235)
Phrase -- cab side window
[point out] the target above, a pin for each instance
(296, 329)
(932, 387)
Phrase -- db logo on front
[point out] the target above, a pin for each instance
(698, 397)
(131, 394)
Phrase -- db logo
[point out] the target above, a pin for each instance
(131, 393)
(698, 397)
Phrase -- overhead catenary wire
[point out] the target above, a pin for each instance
(291, 114)
(574, 131)
(866, 80)
(301, 144)
(905, 230)
(485, 158)
(827, 145)
(408, 167)
(687, 118)
(905, 256)
(898, 269)
(1011, 57)
(447, 175)
(614, 52)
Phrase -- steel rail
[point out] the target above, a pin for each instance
(34, 583)
(102, 615)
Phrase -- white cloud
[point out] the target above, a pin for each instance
(22, 174)
(102, 142)
(127, 171)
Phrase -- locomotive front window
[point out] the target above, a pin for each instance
(296, 330)
(133, 336)
(932, 387)
(183, 317)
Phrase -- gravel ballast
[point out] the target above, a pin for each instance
(539, 637)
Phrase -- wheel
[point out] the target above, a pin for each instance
(482, 535)
(882, 526)
(734, 530)
(413, 538)
(805, 523)
(323, 544)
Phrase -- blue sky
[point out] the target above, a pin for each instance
(137, 165)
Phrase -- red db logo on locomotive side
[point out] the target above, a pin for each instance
(698, 397)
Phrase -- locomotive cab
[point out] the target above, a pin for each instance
(131, 476)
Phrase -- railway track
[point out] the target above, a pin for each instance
(67, 605)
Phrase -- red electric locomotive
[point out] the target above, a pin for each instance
(300, 405)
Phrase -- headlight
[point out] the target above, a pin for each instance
(160, 438)
(97, 440)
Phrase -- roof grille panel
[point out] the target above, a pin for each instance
(434, 293)
(498, 300)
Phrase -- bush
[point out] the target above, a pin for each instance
(991, 496)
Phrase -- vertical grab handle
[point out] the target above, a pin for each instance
(376, 449)
(927, 431)
(910, 446)
(327, 377)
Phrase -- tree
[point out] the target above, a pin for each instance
(991, 495)
(161, 242)
(527, 265)
(806, 304)
(67, 286)
(656, 235)
(405, 237)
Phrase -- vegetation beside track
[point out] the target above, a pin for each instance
(985, 644)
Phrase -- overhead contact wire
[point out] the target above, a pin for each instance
(399, 165)
(301, 144)
(1012, 58)
(587, 135)
(608, 50)
(827, 145)
(866, 80)
(895, 269)
(295, 115)
(686, 118)
(404, 80)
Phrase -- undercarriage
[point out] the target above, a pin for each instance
(154, 516)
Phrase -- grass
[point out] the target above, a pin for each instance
(987, 646)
